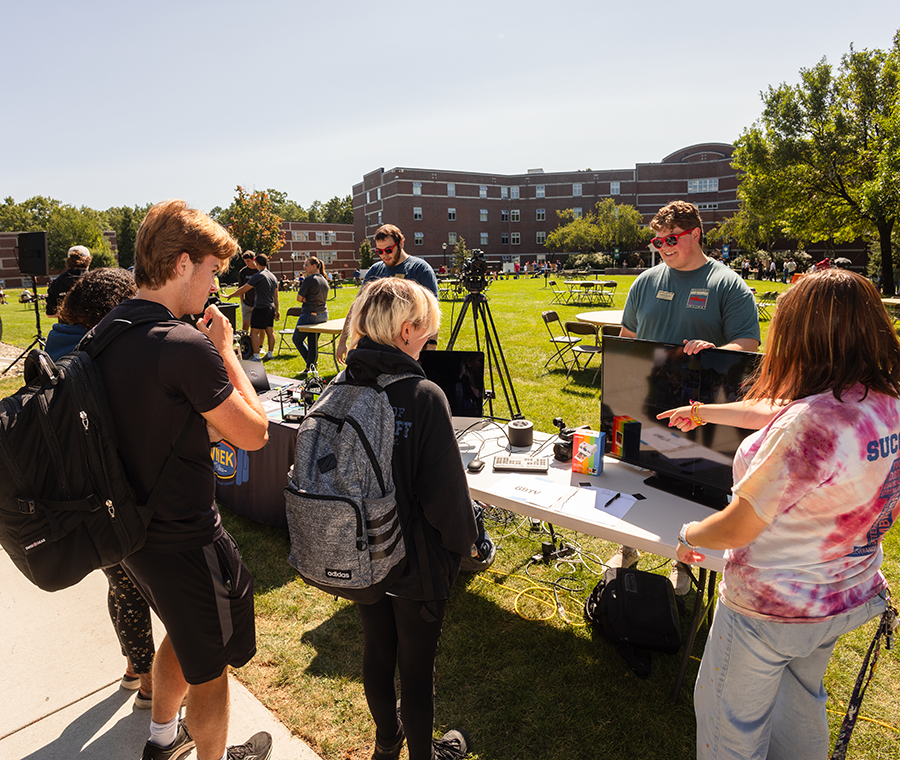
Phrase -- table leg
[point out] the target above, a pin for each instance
(699, 610)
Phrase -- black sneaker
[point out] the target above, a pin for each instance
(182, 745)
(454, 745)
(391, 749)
(258, 747)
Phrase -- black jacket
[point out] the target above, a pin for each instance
(428, 472)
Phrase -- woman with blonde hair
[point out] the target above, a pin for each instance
(815, 489)
(392, 319)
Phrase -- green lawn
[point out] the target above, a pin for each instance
(516, 665)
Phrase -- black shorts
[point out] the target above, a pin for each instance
(262, 317)
(204, 597)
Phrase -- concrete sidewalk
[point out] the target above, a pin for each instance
(60, 666)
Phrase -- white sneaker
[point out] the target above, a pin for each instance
(268, 356)
(680, 578)
(625, 556)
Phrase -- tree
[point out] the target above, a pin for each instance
(339, 210)
(461, 254)
(619, 225)
(578, 235)
(365, 254)
(825, 153)
(125, 220)
(288, 210)
(254, 223)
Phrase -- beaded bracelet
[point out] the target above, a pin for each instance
(695, 418)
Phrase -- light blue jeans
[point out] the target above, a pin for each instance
(311, 354)
(759, 693)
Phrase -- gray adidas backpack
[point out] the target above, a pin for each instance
(340, 502)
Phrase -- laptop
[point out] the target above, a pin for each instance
(460, 375)
(256, 372)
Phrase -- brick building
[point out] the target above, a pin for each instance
(509, 216)
(333, 244)
(9, 263)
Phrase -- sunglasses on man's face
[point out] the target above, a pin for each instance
(668, 240)
(388, 251)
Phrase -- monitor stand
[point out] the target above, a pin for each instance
(708, 497)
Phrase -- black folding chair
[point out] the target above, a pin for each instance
(562, 343)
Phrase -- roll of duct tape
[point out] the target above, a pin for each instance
(520, 432)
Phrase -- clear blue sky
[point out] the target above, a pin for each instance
(112, 103)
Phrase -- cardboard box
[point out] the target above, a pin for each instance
(587, 451)
(626, 438)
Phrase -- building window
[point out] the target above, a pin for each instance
(451, 214)
(504, 216)
(576, 189)
(576, 213)
(451, 189)
(451, 238)
(300, 237)
(417, 213)
(326, 257)
(707, 206)
(368, 196)
(615, 188)
(514, 193)
(504, 192)
(504, 238)
(483, 215)
(514, 215)
(484, 238)
(420, 237)
(379, 219)
(539, 191)
(326, 238)
(540, 238)
(540, 215)
(417, 188)
(703, 185)
(482, 191)
(515, 238)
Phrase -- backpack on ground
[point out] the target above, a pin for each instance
(637, 612)
(341, 508)
(66, 506)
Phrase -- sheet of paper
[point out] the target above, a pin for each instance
(533, 489)
(588, 503)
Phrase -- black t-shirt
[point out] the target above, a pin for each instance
(60, 286)
(314, 289)
(157, 376)
(249, 298)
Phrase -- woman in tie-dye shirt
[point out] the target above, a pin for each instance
(815, 490)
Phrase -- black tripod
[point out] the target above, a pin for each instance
(493, 351)
(39, 338)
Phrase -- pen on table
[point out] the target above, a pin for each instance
(611, 500)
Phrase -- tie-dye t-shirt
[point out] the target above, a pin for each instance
(825, 475)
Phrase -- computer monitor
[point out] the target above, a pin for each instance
(460, 374)
(643, 378)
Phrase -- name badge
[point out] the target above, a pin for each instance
(664, 295)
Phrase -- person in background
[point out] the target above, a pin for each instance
(247, 297)
(687, 299)
(815, 490)
(265, 306)
(392, 320)
(395, 262)
(313, 294)
(77, 262)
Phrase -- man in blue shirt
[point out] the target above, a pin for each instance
(395, 262)
(687, 299)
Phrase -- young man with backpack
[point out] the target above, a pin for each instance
(164, 379)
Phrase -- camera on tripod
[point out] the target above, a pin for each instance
(474, 272)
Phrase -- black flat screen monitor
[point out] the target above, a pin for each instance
(643, 378)
(460, 375)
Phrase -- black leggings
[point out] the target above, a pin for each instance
(130, 615)
(397, 634)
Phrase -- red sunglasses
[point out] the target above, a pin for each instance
(668, 240)
(389, 250)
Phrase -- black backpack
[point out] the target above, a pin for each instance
(637, 612)
(66, 506)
